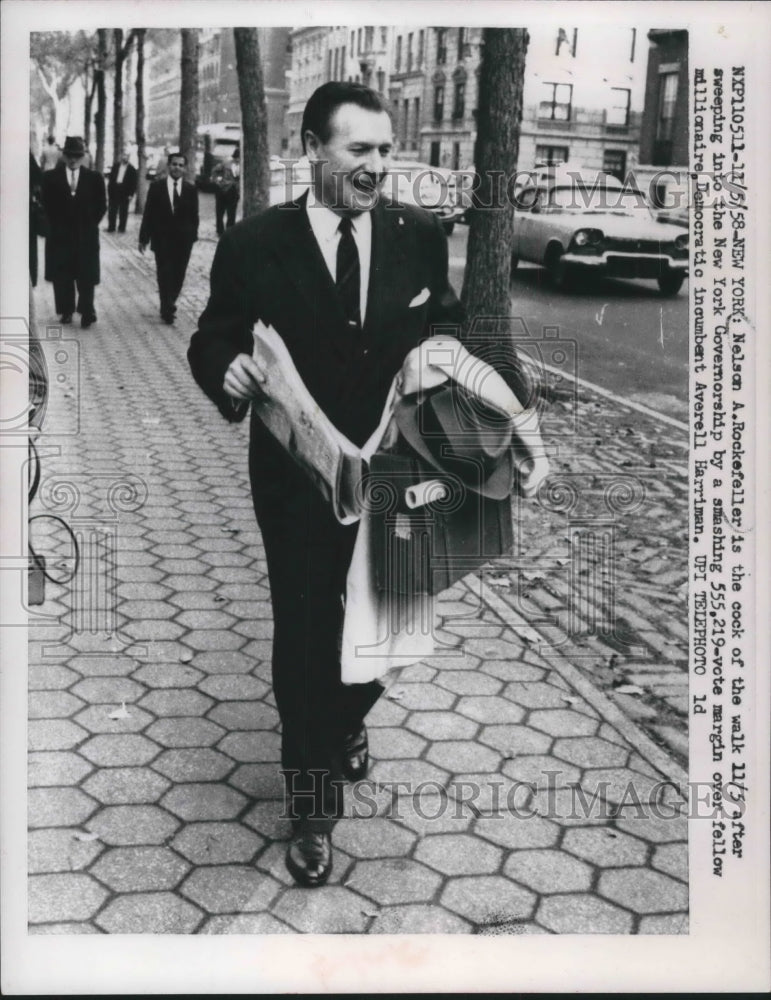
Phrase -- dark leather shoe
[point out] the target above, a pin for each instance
(66, 317)
(355, 755)
(86, 321)
(309, 858)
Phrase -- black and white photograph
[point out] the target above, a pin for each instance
(383, 559)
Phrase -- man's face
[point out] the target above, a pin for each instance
(176, 167)
(124, 158)
(73, 162)
(351, 166)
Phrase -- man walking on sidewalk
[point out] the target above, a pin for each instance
(351, 286)
(121, 188)
(74, 202)
(226, 194)
(170, 226)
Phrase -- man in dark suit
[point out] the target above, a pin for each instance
(170, 226)
(74, 202)
(351, 285)
(226, 191)
(121, 188)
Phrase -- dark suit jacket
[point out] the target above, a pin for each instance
(270, 267)
(125, 190)
(72, 248)
(161, 228)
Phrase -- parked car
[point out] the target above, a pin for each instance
(575, 223)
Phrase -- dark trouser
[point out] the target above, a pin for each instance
(118, 209)
(308, 555)
(171, 264)
(226, 202)
(64, 297)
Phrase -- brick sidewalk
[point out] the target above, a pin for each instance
(154, 786)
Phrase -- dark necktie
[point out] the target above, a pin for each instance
(348, 274)
(175, 202)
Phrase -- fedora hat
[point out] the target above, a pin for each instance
(459, 434)
(74, 146)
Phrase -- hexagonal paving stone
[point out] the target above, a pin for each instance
(512, 831)
(108, 690)
(493, 649)
(123, 826)
(513, 740)
(643, 890)
(260, 745)
(386, 712)
(149, 913)
(242, 715)
(59, 850)
(49, 677)
(421, 696)
(126, 785)
(193, 764)
(562, 722)
(204, 801)
(176, 701)
(668, 923)
(138, 869)
(225, 661)
(411, 775)
(590, 751)
(96, 719)
(488, 899)
(230, 889)
(373, 838)
(535, 694)
(392, 741)
(418, 918)
(115, 750)
(572, 806)
(217, 843)
(259, 781)
(151, 629)
(234, 687)
(143, 610)
(267, 820)
(58, 807)
(442, 725)
(103, 666)
(468, 682)
(657, 829)
(621, 786)
(490, 709)
(458, 854)
(511, 670)
(246, 923)
(548, 871)
(540, 770)
(70, 896)
(431, 811)
(394, 880)
(185, 732)
(605, 847)
(672, 859)
(462, 756)
(332, 910)
(54, 734)
(417, 672)
(205, 619)
(208, 641)
(57, 768)
(489, 792)
(52, 704)
(582, 914)
(168, 675)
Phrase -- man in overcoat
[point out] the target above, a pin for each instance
(74, 202)
(225, 177)
(351, 284)
(170, 226)
(121, 188)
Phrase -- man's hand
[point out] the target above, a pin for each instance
(244, 378)
(536, 476)
(142, 247)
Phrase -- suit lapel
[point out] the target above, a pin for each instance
(387, 263)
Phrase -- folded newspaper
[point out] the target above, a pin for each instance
(296, 420)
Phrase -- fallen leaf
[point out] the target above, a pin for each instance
(610, 833)
(629, 689)
(120, 713)
(569, 699)
(186, 657)
(499, 581)
(395, 695)
(371, 913)
(218, 598)
(87, 835)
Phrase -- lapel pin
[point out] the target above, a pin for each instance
(401, 220)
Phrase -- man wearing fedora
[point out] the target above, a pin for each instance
(351, 284)
(74, 202)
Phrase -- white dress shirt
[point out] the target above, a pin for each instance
(170, 182)
(121, 173)
(324, 223)
(73, 176)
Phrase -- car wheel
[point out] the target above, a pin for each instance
(670, 283)
(448, 227)
(561, 274)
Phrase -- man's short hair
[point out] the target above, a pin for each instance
(177, 155)
(327, 98)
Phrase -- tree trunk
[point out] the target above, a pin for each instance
(139, 88)
(101, 99)
(188, 99)
(490, 329)
(89, 87)
(117, 95)
(255, 171)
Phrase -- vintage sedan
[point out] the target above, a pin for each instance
(433, 188)
(576, 226)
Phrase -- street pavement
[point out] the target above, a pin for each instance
(517, 774)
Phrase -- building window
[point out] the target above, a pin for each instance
(358, 42)
(634, 43)
(441, 46)
(369, 34)
(353, 37)
(565, 40)
(555, 101)
(461, 42)
(618, 112)
(399, 54)
(421, 47)
(614, 163)
(456, 156)
(547, 155)
(416, 122)
(409, 52)
(381, 80)
(405, 121)
(667, 101)
(434, 154)
(439, 103)
(459, 101)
